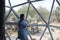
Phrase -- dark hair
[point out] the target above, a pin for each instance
(21, 16)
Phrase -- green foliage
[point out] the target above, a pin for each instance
(23, 10)
(57, 13)
(32, 12)
(58, 39)
(44, 12)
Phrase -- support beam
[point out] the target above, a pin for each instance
(58, 2)
(24, 3)
(15, 23)
(2, 12)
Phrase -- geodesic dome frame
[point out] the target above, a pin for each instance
(47, 24)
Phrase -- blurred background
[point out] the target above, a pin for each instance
(14, 8)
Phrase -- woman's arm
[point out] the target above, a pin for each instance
(28, 25)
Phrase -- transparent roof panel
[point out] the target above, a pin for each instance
(33, 17)
(6, 3)
(38, 11)
(16, 2)
(55, 31)
(11, 33)
(59, 1)
(11, 17)
(21, 9)
(55, 17)
(45, 4)
(36, 32)
(44, 8)
(46, 35)
(6, 10)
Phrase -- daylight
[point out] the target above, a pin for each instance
(42, 19)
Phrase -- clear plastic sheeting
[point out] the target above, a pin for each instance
(42, 15)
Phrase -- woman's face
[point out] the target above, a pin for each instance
(23, 17)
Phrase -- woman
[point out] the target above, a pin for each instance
(22, 32)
